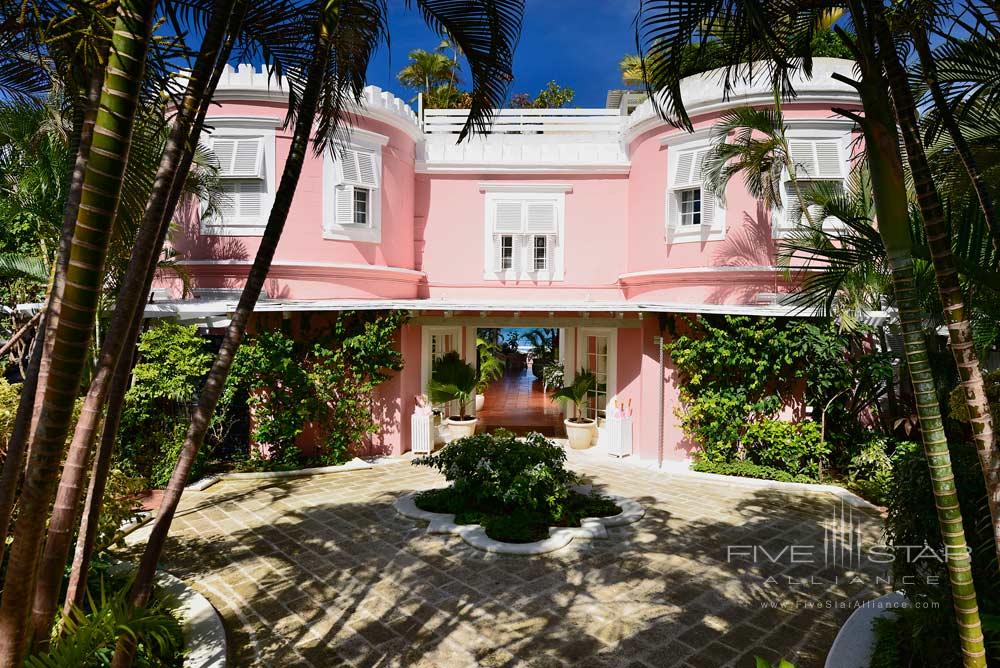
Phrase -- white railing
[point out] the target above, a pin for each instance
(529, 121)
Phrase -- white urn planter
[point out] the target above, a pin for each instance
(460, 428)
(480, 402)
(580, 434)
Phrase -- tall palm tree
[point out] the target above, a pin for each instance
(631, 69)
(426, 71)
(130, 300)
(79, 299)
(778, 34)
(957, 315)
(346, 35)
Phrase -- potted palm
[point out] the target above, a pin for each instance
(491, 369)
(454, 380)
(579, 429)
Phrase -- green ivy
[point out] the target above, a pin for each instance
(174, 360)
(737, 373)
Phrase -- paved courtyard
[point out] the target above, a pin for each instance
(321, 571)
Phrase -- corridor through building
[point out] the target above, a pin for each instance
(517, 402)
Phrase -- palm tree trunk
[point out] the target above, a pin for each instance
(216, 380)
(116, 394)
(124, 325)
(929, 70)
(84, 276)
(888, 184)
(939, 241)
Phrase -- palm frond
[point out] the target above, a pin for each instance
(487, 32)
(24, 267)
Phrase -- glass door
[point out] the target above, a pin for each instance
(595, 360)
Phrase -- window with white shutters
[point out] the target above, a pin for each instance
(244, 193)
(524, 236)
(352, 190)
(692, 212)
(818, 164)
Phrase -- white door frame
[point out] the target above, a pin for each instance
(612, 334)
(425, 349)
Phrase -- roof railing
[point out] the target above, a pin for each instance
(529, 121)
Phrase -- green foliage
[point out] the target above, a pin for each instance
(577, 392)
(174, 360)
(89, 638)
(796, 447)
(329, 384)
(888, 640)
(553, 96)
(10, 397)
(870, 470)
(499, 471)
(452, 380)
(120, 505)
(928, 631)
(280, 398)
(761, 662)
(553, 374)
(745, 469)
(491, 365)
(738, 372)
(516, 488)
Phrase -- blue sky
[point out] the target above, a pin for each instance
(576, 42)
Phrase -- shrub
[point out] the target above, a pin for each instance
(745, 469)
(796, 447)
(929, 634)
(10, 397)
(174, 360)
(501, 472)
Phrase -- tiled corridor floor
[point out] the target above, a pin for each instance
(321, 571)
(518, 403)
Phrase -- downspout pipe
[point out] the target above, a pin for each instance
(658, 340)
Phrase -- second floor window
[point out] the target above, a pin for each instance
(352, 189)
(524, 233)
(693, 213)
(245, 183)
(818, 166)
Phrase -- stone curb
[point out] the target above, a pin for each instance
(356, 464)
(559, 537)
(855, 641)
(845, 495)
(204, 634)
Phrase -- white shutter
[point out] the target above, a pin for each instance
(541, 217)
(497, 253)
(793, 209)
(673, 214)
(345, 205)
(348, 166)
(550, 252)
(224, 149)
(708, 211)
(251, 198)
(828, 161)
(684, 170)
(227, 201)
(507, 216)
(803, 156)
(359, 168)
(247, 158)
(367, 172)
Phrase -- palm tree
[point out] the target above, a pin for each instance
(124, 326)
(759, 151)
(346, 35)
(776, 33)
(79, 299)
(426, 71)
(452, 379)
(957, 316)
(631, 68)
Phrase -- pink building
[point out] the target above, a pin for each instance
(593, 222)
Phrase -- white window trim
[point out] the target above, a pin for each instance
(815, 130)
(581, 337)
(556, 271)
(359, 140)
(234, 127)
(674, 232)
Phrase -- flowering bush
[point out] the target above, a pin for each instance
(504, 473)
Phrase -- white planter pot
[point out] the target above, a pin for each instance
(480, 402)
(461, 428)
(580, 434)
